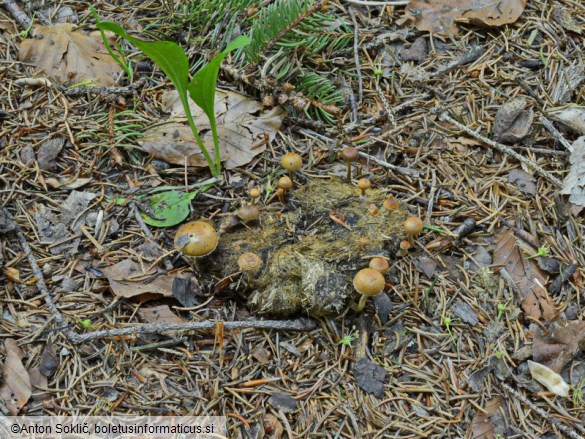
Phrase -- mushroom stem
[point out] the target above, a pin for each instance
(361, 304)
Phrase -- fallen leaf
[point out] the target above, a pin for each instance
(369, 377)
(416, 52)
(159, 314)
(573, 117)
(513, 121)
(49, 360)
(441, 16)
(523, 181)
(283, 401)
(549, 379)
(482, 426)
(16, 389)
(575, 180)
(243, 127)
(69, 56)
(527, 277)
(127, 279)
(559, 344)
(48, 152)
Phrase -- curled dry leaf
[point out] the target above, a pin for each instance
(513, 121)
(244, 128)
(575, 180)
(573, 117)
(559, 343)
(128, 279)
(16, 389)
(527, 277)
(441, 16)
(69, 56)
(549, 379)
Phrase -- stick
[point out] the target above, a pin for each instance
(502, 148)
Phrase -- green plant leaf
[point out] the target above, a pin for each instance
(170, 208)
(202, 86)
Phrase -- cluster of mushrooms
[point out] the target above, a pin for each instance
(199, 238)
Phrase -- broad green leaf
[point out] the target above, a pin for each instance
(170, 208)
(169, 56)
(202, 86)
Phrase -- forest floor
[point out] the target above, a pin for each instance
(469, 127)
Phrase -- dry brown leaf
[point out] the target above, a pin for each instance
(528, 278)
(559, 344)
(69, 56)
(242, 124)
(159, 314)
(441, 16)
(16, 389)
(549, 379)
(127, 279)
(513, 121)
(482, 426)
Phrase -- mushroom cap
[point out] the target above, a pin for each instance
(196, 238)
(248, 213)
(285, 182)
(404, 245)
(254, 193)
(364, 183)
(379, 264)
(369, 282)
(349, 154)
(413, 225)
(291, 161)
(249, 263)
(391, 203)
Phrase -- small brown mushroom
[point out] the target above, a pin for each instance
(292, 162)
(404, 246)
(364, 184)
(379, 264)
(248, 213)
(284, 183)
(391, 204)
(350, 155)
(368, 282)
(249, 263)
(413, 226)
(254, 194)
(197, 238)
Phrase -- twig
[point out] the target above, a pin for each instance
(502, 148)
(160, 328)
(356, 57)
(571, 433)
(406, 171)
(19, 16)
(556, 134)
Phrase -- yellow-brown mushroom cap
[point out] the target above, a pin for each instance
(369, 282)
(249, 263)
(413, 225)
(285, 182)
(291, 161)
(197, 238)
(379, 264)
(254, 193)
(248, 213)
(349, 154)
(391, 203)
(404, 245)
(364, 183)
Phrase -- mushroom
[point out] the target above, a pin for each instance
(197, 238)
(248, 213)
(284, 183)
(404, 246)
(391, 204)
(368, 282)
(413, 226)
(379, 264)
(364, 184)
(292, 162)
(350, 155)
(254, 194)
(249, 263)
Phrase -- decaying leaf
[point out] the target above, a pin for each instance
(573, 117)
(528, 278)
(513, 121)
(16, 389)
(575, 181)
(159, 314)
(560, 343)
(482, 426)
(128, 279)
(441, 16)
(549, 379)
(243, 127)
(523, 181)
(69, 56)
